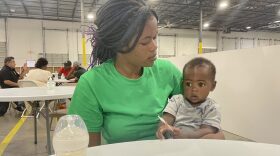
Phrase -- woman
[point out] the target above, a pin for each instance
(40, 74)
(122, 97)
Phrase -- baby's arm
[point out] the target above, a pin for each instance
(199, 133)
(169, 116)
(219, 135)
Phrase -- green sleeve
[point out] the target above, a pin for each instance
(85, 104)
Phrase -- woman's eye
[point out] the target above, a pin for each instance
(146, 43)
(188, 84)
(201, 84)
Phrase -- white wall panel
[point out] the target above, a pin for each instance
(2, 30)
(229, 43)
(247, 43)
(24, 39)
(56, 41)
(187, 40)
(72, 28)
(167, 45)
(276, 42)
(186, 46)
(73, 46)
(264, 42)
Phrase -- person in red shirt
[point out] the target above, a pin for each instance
(66, 69)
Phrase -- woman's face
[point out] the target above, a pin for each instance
(145, 52)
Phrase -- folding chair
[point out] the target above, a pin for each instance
(29, 105)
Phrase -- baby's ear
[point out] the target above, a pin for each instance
(214, 85)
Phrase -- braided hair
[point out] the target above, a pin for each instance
(120, 24)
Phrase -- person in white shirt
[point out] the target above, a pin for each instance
(40, 74)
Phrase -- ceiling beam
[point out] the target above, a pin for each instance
(94, 2)
(49, 19)
(74, 9)
(24, 6)
(57, 8)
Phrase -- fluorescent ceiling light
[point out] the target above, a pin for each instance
(223, 5)
(90, 16)
(12, 10)
(248, 27)
(206, 25)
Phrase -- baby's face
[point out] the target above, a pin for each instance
(197, 84)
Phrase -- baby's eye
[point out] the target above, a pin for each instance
(201, 84)
(188, 84)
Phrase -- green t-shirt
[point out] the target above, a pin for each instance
(124, 109)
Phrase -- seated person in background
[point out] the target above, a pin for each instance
(66, 69)
(9, 79)
(40, 74)
(76, 71)
(192, 114)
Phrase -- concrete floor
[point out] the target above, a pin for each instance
(23, 142)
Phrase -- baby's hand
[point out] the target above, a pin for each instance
(166, 129)
(178, 135)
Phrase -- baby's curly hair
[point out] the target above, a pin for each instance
(200, 61)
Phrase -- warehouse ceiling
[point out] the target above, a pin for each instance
(239, 15)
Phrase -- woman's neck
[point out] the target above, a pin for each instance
(128, 70)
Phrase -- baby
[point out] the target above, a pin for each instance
(193, 114)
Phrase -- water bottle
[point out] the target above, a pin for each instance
(50, 83)
(55, 76)
(70, 136)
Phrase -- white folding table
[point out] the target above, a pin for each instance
(38, 94)
(186, 147)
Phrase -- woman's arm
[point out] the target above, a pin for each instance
(94, 139)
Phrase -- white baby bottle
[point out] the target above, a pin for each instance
(70, 136)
